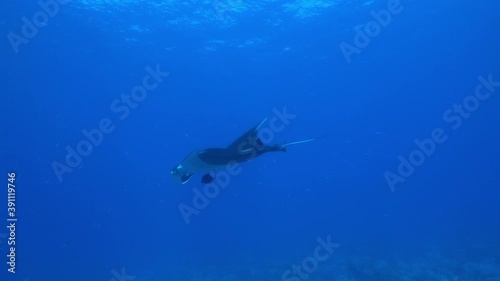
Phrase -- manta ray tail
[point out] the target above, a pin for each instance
(302, 141)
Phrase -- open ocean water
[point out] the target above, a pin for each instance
(101, 99)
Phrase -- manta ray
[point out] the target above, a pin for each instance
(245, 148)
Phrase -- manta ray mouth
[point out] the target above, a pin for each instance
(180, 177)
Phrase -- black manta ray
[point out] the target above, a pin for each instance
(245, 148)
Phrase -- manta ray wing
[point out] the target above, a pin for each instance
(243, 143)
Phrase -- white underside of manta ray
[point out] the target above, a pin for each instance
(247, 147)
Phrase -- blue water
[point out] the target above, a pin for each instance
(115, 214)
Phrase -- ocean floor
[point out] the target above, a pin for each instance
(430, 267)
